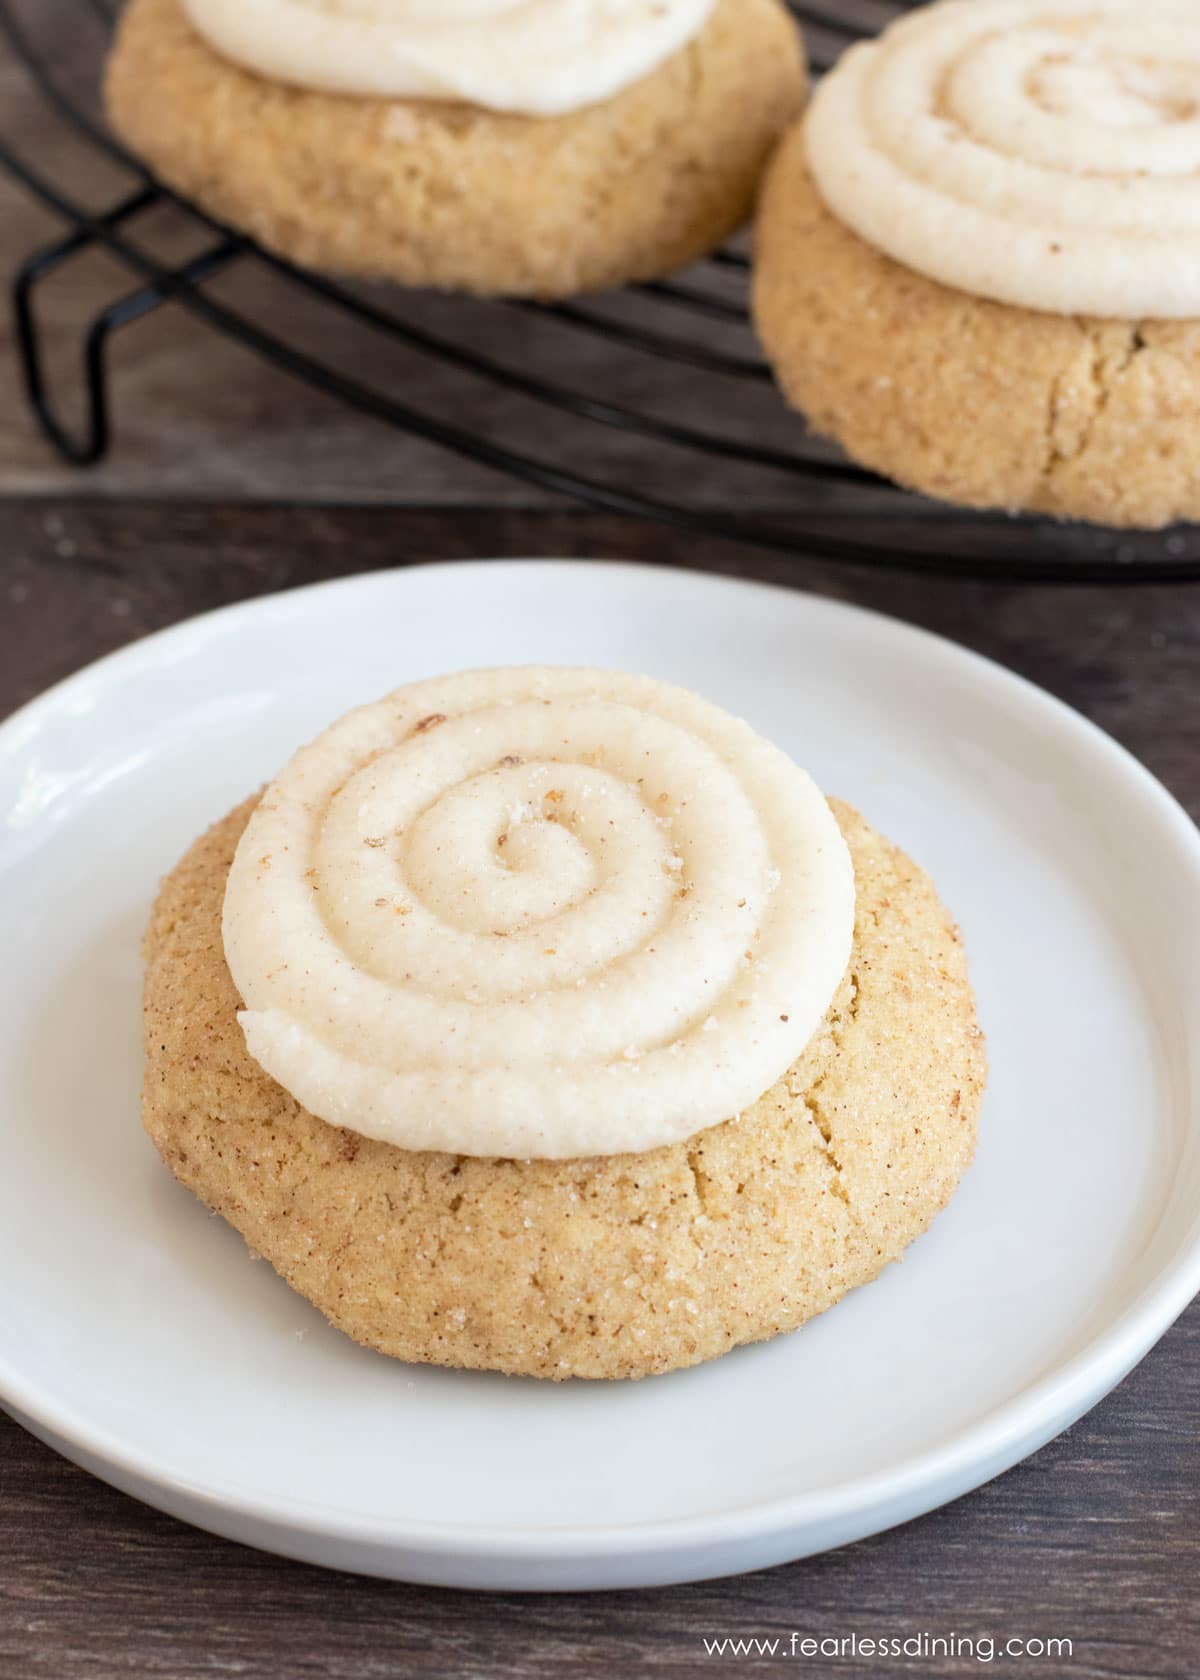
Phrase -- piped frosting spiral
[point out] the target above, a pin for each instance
(1044, 153)
(539, 57)
(536, 912)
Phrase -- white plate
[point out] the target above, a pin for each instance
(137, 1335)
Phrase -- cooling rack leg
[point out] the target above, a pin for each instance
(88, 447)
(90, 443)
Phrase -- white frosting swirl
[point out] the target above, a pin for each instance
(536, 912)
(540, 57)
(1044, 153)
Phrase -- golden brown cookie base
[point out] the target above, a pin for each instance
(431, 194)
(967, 400)
(610, 1267)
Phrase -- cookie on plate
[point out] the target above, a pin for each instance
(574, 1033)
(977, 260)
(516, 152)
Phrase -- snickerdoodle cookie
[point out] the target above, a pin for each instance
(978, 259)
(478, 180)
(609, 851)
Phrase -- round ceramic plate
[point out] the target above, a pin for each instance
(139, 1337)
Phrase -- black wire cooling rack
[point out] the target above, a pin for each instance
(683, 347)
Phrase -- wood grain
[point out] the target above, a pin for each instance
(1096, 1539)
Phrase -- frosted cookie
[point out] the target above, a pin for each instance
(573, 1032)
(978, 258)
(540, 148)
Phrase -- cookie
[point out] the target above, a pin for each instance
(942, 290)
(449, 195)
(607, 1267)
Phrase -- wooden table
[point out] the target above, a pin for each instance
(227, 482)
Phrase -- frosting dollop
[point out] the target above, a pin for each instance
(539, 57)
(1044, 153)
(536, 912)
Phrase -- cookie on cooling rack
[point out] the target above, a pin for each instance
(551, 1022)
(978, 258)
(536, 150)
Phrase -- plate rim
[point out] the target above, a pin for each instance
(998, 1438)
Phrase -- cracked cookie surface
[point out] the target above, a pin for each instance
(964, 399)
(616, 1266)
(435, 194)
